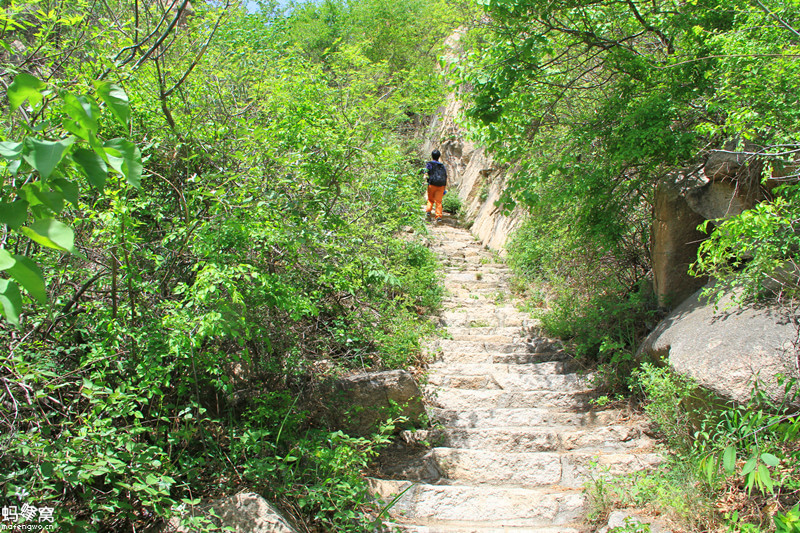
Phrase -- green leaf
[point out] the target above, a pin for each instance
(68, 188)
(116, 100)
(84, 110)
(125, 158)
(47, 469)
(25, 87)
(770, 460)
(13, 214)
(729, 460)
(93, 167)
(765, 478)
(6, 260)
(10, 301)
(29, 276)
(45, 156)
(38, 195)
(749, 466)
(10, 150)
(52, 233)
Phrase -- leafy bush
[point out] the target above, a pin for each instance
(755, 252)
(599, 300)
(730, 461)
(452, 203)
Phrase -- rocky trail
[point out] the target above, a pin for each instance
(514, 437)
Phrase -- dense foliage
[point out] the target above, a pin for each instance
(200, 211)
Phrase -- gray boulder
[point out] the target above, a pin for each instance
(359, 403)
(728, 349)
(243, 513)
(630, 522)
(250, 513)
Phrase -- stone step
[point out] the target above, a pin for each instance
(531, 358)
(519, 439)
(506, 381)
(538, 345)
(477, 275)
(484, 317)
(478, 296)
(485, 369)
(520, 358)
(531, 469)
(470, 334)
(481, 527)
(529, 416)
(500, 506)
(456, 333)
(467, 399)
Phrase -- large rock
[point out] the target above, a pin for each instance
(718, 200)
(726, 350)
(675, 240)
(735, 161)
(362, 401)
(250, 513)
(685, 199)
(243, 513)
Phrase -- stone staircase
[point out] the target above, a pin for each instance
(514, 437)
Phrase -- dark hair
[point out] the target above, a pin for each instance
(436, 155)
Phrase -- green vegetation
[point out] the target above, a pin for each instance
(452, 203)
(733, 464)
(199, 210)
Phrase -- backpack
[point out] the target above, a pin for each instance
(438, 174)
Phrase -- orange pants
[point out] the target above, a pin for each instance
(435, 195)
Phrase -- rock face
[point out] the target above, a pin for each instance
(727, 184)
(361, 402)
(515, 438)
(675, 241)
(725, 351)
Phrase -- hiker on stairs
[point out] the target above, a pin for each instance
(437, 181)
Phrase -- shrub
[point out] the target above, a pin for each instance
(452, 203)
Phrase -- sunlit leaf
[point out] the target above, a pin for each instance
(10, 150)
(116, 100)
(125, 158)
(10, 301)
(29, 276)
(765, 478)
(6, 260)
(51, 233)
(749, 466)
(25, 87)
(83, 109)
(770, 460)
(45, 156)
(729, 460)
